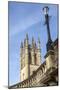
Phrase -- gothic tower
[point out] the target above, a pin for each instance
(30, 57)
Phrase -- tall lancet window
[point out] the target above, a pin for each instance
(35, 59)
(30, 57)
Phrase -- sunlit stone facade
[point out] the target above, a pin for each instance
(30, 58)
(33, 72)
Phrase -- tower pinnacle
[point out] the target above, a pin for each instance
(39, 51)
(38, 43)
(26, 40)
(33, 42)
(26, 36)
(21, 44)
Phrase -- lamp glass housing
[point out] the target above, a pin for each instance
(45, 9)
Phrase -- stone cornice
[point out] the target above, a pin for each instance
(50, 52)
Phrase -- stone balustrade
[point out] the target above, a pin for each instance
(34, 79)
(31, 82)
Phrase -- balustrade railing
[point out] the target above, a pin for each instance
(34, 78)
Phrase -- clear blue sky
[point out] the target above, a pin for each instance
(27, 18)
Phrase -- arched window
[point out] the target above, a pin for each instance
(35, 59)
(29, 57)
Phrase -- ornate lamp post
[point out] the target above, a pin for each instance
(48, 45)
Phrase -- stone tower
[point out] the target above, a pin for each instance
(30, 57)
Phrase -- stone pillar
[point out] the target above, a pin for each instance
(27, 71)
(50, 59)
(33, 51)
(26, 50)
(39, 53)
(21, 54)
(33, 58)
